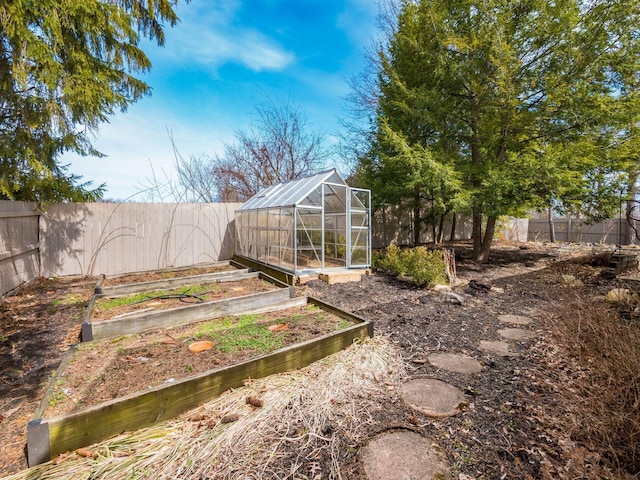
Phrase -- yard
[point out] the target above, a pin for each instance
(558, 406)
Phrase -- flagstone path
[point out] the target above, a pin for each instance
(403, 454)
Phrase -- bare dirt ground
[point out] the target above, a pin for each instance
(515, 426)
(37, 326)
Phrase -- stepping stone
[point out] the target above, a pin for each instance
(433, 397)
(498, 347)
(454, 362)
(516, 334)
(403, 454)
(515, 319)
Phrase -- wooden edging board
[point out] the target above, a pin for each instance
(169, 283)
(48, 437)
(282, 275)
(222, 263)
(136, 323)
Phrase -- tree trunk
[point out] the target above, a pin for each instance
(476, 233)
(488, 238)
(434, 232)
(552, 227)
(631, 228)
(452, 237)
(476, 160)
(440, 229)
(417, 227)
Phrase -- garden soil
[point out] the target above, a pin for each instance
(112, 368)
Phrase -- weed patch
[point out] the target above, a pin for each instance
(104, 304)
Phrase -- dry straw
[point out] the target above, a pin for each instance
(602, 390)
(308, 418)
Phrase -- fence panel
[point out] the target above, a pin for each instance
(113, 238)
(569, 229)
(19, 244)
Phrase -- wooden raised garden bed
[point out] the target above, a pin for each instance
(169, 302)
(83, 423)
(166, 279)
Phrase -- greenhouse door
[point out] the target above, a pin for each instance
(335, 238)
(359, 228)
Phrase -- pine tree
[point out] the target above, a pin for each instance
(65, 67)
(521, 102)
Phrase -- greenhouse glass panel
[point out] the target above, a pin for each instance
(240, 240)
(360, 234)
(307, 224)
(359, 256)
(314, 199)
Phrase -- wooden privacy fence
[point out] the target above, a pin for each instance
(113, 238)
(392, 225)
(19, 244)
(109, 238)
(568, 229)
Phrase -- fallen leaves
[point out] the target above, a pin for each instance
(8, 413)
(85, 452)
(232, 417)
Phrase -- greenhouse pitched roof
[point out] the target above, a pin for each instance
(291, 193)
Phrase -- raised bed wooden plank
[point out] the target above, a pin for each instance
(282, 275)
(170, 283)
(47, 438)
(623, 262)
(196, 266)
(178, 316)
(144, 321)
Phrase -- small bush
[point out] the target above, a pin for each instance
(419, 265)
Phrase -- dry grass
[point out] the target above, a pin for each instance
(603, 397)
(309, 421)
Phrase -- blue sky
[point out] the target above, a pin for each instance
(216, 65)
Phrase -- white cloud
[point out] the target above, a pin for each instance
(137, 144)
(242, 46)
(223, 40)
(359, 20)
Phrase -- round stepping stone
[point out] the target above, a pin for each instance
(403, 454)
(498, 347)
(515, 319)
(454, 362)
(516, 334)
(433, 397)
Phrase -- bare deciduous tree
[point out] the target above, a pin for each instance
(278, 146)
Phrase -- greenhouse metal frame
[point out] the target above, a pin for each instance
(308, 224)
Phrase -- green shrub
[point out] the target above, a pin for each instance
(419, 265)
(392, 261)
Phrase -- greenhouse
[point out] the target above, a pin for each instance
(308, 224)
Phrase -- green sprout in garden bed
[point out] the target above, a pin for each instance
(233, 334)
(192, 293)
